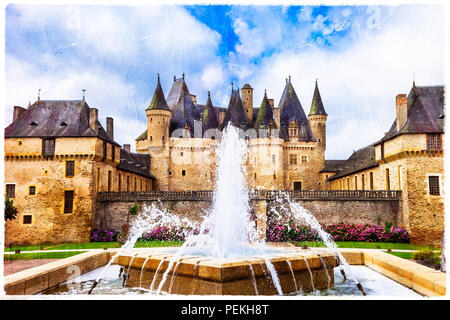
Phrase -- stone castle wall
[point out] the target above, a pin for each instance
(113, 214)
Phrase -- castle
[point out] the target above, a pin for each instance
(286, 147)
(59, 160)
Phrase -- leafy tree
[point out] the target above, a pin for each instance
(10, 210)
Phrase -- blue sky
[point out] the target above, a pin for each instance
(363, 57)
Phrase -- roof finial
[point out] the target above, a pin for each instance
(174, 78)
(414, 79)
(183, 76)
(29, 104)
(289, 78)
(39, 94)
(265, 92)
(83, 93)
(158, 76)
(316, 80)
(209, 94)
(231, 85)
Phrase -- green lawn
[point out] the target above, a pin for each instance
(370, 245)
(404, 255)
(94, 245)
(41, 255)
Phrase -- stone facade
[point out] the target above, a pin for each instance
(56, 204)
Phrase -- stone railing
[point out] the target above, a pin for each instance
(270, 195)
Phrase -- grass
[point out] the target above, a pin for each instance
(40, 255)
(404, 255)
(370, 245)
(94, 245)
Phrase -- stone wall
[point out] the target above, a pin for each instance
(113, 214)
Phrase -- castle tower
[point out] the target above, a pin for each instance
(247, 99)
(318, 119)
(158, 119)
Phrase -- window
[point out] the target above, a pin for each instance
(27, 219)
(109, 180)
(297, 185)
(183, 172)
(362, 182)
(48, 147)
(433, 184)
(11, 191)
(113, 153)
(371, 181)
(303, 159)
(70, 168)
(434, 142)
(273, 159)
(68, 201)
(104, 150)
(128, 183)
(120, 182)
(135, 184)
(388, 182)
(356, 182)
(292, 159)
(32, 190)
(98, 179)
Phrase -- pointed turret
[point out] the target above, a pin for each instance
(158, 101)
(293, 117)
(316, 104)
(235, 112)
(209, 116)
(264, 119)
(184, 110)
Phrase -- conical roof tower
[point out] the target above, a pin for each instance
(264, 119)
(235, 112)
(209, 115)
(158, 101)
(316, 104)
(291, 111)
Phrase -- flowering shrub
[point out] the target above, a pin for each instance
(104, 235)
(338, 232)
(169, 234)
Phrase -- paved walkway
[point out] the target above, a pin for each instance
(13, 266)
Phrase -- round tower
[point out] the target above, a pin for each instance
(158, 119)
(318, 119)
(247, 99)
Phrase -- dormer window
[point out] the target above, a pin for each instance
(63, 124)
(33, 123)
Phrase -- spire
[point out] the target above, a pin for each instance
(184, 112)
(235, 112)
(291, 110)
(158, 101)
(316, 104)
(265, 114)
(209, 115)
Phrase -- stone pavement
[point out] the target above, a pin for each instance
(13, 266)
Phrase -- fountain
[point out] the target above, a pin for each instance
(226, 255)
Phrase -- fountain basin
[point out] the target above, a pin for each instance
(197, 275)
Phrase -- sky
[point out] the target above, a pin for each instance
(362, 56)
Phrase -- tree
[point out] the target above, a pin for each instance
(10, 210)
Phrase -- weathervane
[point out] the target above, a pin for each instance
(39, 94)
(83, 92)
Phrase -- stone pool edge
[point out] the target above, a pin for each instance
(421, 279)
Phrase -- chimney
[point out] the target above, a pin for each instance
(401, 110)
(276, 116)
(18, 111)
(271, 103)
(194, 98)
(110, 127)
(126, 147)
(93, 119)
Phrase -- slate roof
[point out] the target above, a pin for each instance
(209, 115)
(56, 118)
(360, 160)
(158, 101)
(333, 165)
(292, 110)
(138, 163)
(265, 115)
(316, 104)
(425, 105)
(184, 112)
(235, 112)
